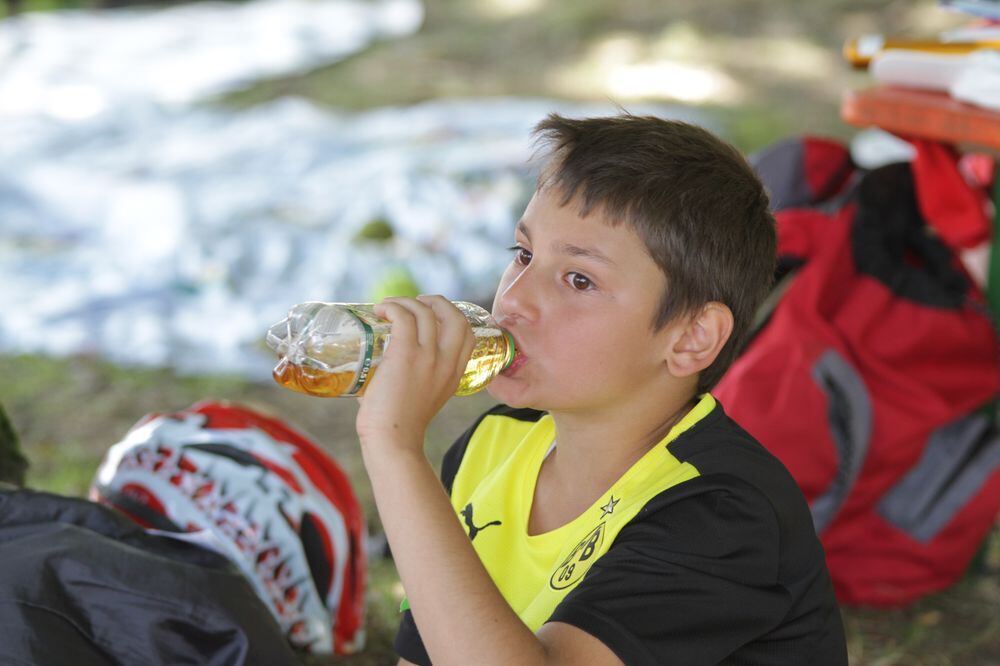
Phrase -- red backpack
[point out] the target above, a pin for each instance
(868, 379)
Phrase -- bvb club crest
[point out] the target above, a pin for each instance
(573, 567)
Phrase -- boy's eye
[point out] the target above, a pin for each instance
(580, 282)
(521, 255)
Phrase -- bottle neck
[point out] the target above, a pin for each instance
(511, 350)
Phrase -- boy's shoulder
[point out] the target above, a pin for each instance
(727, 455)
(718, 443)
(742, 493)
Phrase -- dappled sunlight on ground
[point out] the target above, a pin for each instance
(769, 68)
(629, 67)
(505, 9)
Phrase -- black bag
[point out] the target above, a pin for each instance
(82, 584)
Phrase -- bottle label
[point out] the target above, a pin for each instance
(369, 350)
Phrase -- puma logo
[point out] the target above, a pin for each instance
(473, 530)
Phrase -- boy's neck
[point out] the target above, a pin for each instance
(595, 448)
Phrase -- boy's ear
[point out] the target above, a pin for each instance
(699, 339)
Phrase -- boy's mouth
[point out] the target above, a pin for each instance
(519, 360)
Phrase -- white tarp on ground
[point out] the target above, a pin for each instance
(75, 64)
(163, 234)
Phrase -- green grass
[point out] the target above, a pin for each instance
(50, 5)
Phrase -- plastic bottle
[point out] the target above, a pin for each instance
(333, 349)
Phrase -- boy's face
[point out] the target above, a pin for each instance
(579, 297)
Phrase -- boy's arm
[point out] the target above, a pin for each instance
(570, 645)
(461, 614)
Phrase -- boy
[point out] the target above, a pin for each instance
(608, 512)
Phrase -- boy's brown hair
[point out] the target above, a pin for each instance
(692, 198)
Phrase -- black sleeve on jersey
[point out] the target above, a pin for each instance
(692, 579)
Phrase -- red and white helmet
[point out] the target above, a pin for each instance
(262, 494)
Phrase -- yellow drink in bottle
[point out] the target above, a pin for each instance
(332, 349)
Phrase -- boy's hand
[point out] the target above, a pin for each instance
(430, 347)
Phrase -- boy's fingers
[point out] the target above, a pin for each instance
(454, 327)
(425, 321)
(404, 324)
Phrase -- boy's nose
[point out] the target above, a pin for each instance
(517, 299)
